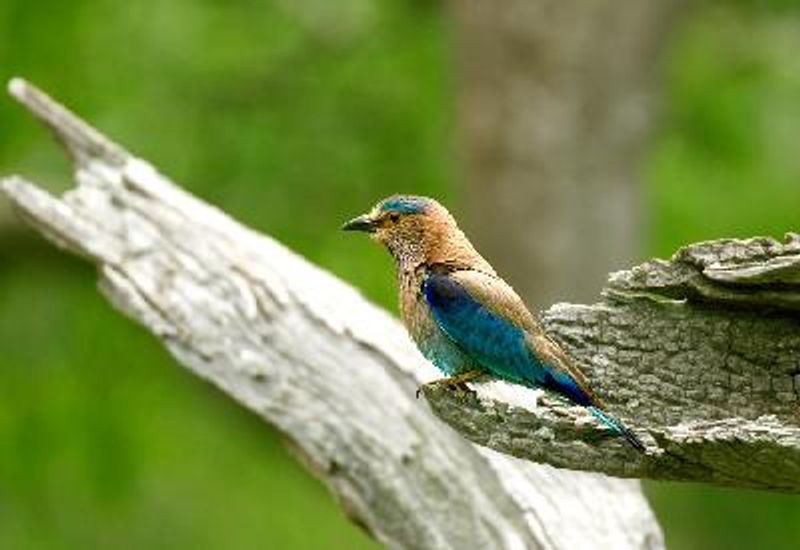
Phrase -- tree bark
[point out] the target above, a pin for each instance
(308, 354)
(700, 353)
(556, 100)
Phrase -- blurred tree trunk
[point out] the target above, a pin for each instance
(556, 100)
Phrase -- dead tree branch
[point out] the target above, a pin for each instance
(308, 354)
(701, 353)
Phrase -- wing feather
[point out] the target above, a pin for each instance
(490, 323)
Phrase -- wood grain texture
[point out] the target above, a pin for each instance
(307, 353)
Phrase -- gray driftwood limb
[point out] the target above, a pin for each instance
(307, 353)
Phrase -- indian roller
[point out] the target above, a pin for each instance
(463, 317)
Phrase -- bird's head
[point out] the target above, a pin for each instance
(410, 226)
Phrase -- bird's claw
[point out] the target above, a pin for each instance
(458, 383)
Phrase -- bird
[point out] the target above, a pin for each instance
(463, 317)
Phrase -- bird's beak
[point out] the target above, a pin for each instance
(362, 223)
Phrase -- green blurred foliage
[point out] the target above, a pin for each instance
(726, 161)
(292, 115)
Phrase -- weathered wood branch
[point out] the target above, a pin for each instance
(307, 353)
(701, 353)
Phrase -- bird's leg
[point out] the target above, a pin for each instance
(457, 381)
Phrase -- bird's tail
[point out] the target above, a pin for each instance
(618, 427)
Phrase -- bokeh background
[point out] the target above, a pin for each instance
(292, 115)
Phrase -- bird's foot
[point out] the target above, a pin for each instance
(456, 382)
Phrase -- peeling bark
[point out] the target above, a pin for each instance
(699, 354)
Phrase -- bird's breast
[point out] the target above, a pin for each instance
(423, 329)
(414, 311)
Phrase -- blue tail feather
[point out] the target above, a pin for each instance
(617, 427)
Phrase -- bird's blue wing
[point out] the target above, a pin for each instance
(494, 336)
(492, 340)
